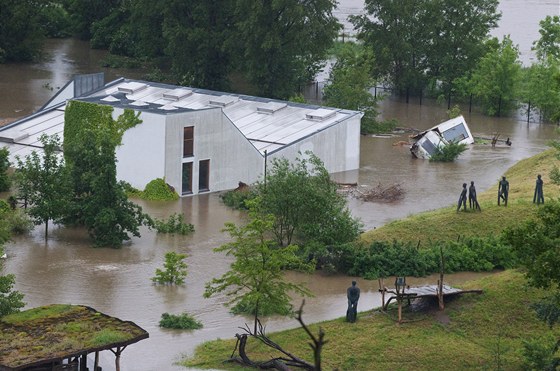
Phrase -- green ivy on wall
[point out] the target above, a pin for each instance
(81, 117)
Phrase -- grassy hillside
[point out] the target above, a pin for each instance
(446, 223)
(474, 332)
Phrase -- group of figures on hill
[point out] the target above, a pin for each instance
(503, 193)
(473, 203)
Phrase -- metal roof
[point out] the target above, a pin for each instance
(267, 123)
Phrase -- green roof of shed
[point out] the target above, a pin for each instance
(56, 332)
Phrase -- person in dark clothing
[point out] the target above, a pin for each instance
(538, 197)
(353, 294)
(473, 203)
(463, 198)
(503, 191)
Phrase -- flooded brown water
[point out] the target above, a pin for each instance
(65, 269)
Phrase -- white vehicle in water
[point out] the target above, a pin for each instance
(451, 131)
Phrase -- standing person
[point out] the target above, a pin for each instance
(473, 203)
(463, 198)
(503, 191)
(538, 191)
(353, 294)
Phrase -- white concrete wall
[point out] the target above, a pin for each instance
(232, 157)
(338, 146)
(141, 157)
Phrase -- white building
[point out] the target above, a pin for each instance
(199, 140)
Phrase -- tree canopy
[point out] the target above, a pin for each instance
(420, 43)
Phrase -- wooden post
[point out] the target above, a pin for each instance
(440, 281)
(470, 104)
(528, 111)
(382, 290)
(96, 362)
(83, 362)
(118, 359)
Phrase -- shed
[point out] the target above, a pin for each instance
(60, 336)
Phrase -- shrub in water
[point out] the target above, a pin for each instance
(158, 190)
(174, 224)
(174, 269)
(448, 153)
(183, 321)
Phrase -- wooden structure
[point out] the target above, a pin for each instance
(408, 293)
(59, 337)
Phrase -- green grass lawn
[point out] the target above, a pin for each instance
(482, 332)
(474, 332)
(446, 223)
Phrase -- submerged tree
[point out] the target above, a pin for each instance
(174, 269)
(283, 43)
(99, 202)
(305, 204)
(495, 81)
(43, 182)
(255, 282)
(349, 83)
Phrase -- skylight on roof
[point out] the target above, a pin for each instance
(110, 98)
(177, 94)
(132, 87)
(222, 100)
(270, 107)
(320, 114)
(167, 107)
(139, 103)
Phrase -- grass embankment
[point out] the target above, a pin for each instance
(446, 223)
(474, 332)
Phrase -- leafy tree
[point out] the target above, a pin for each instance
(10, 300)
(304, 202)
(448, 153)
(348, 87)
(495, 81)
(396, 33)
(255, 280)
(20, 30)
(541, 81)
(457, 30)
(283, 43)
(548, 44)
(427, 41)
(44, 182)
(86, 12)
(4, 166)
(174, 269)
(196, 35)
(98, 201)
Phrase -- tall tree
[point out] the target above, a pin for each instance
(495, 80)
(305, 204)
(198, 36)
(350, 81)
(20, 31)
(43, 180)
(256, 280)
(416, 41)
(396, 33)
(455, 40)
(98, 201)
(11, 301)
(549, 42)
(283, 43)
(86, 12)
(4, 166)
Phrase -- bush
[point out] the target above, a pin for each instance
(448, 153)
(175, 270)
(383, 259)
(19, 222)
(237, 198)
(158, 190)
(174, 224)
(183, 321)
(130, 190)
(540, 354)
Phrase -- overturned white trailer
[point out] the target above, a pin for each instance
(426, 143)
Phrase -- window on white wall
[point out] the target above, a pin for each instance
(186, 186)
(204, 175)
(188, 141)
